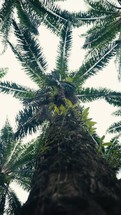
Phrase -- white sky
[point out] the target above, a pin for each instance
(100, 111)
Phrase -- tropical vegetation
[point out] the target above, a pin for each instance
(16, 165)
(75, 169)
(104, 36)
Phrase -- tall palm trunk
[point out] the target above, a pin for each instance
(71, 178)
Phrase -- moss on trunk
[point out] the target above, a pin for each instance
(71, 177)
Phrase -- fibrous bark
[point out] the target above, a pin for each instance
(71, 177)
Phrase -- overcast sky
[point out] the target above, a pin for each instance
(100, 111)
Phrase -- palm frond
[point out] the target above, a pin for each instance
(113, 5)
(6, 132)
(114, 99)
(29, 120)
(27, 159)
(24, 181)
(6, 15)
(50, 1)
(14, 204)
(16, 90)
(16, 162)
(104, 31)
(102, 34)
(21, 157)
(110, 151)
(117, 113)
(63, 15)
(115, 127)
(47, 16)
(14, 156)
(27, 21)
(94, 62)
(25, 64)
(93, 18)
(119, 1)
(91, 94)
(97, 14)
(3, 192)
(3, 72)
(118, 59)
(20, 164)
(30, 54)
(6, 138)
(104, 7)
(64, 51)
(52, 16)
(113, 154)
(118, 63)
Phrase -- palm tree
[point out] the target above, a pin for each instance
(104, 35)
(71, 175)
(16, 165)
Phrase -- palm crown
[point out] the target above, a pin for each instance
(57, 89)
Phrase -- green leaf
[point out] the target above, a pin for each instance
(14, 204)
(52, 16)
(91, 123)
(30, 54)
(26, 20)
(94, 63)
(107, 144)
(102, 35)
(17, 162)
(115, 127)
(6, 15)
(85, 113)
(91, 94)
(3, 72)
(64, 51)
(16, 90)
(88, 121)
(29, 119)
(117, 113)
(105, 29)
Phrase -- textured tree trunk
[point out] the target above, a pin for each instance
(71, 177)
